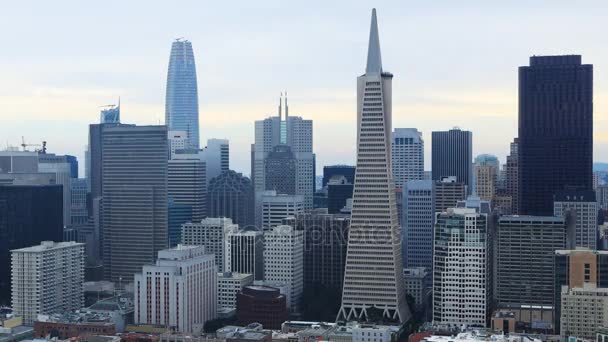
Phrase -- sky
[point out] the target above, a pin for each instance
(455, 65)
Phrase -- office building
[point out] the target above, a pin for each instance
(134, 198)
(325, 243)
(555, 130)
(78, 206)
(452, 155)
(178, 142)
(525, 248)
(284, 261)
(575, 268)
(63, 176)
(245, 252)
(110, 114)
(181, 102)
(373, 278)
(486, 169)
(211, 233)
(179, 291)
(447, 193)
(418, 222)
(407, 151)
(95, 153)
(601, 195)
(30, 214)
(462, 270)
(47, 278)
(280, 167)
(229, 284)
(261, 304)
(231, 195)
(186, 183)
(177, 215)
(276, 207)
(585, 207)
(584, 311)
(330, 171)
(512, 176)
(216, 156)
(339, 190)
(417, 282)
(18, 162)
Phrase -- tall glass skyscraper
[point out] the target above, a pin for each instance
(181, 103)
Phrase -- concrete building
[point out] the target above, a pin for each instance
(187, 183)
(418, 222)
(179, 291)
(407, 153)
(417, 282)
(462, 251)
(30, 214)
(525, 248)
(486, 170)
(213, 234)
(134, 193)
(178, 141)
(228, 285)
(584, 310)
(18, 162)
(47, 279)
(245, 252)
(585, 207)
(447, 192)
(284, 261)
(276, 207)
(231, 195)
(373, 275)
(452, 153)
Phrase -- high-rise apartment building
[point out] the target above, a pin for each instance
(181, 102)
(452, 155)
(284, 261)
(447, 192)
(134, 189)
(211, 233)
(486, 171)
(179, 291)
(186, 183)
(555, 130)
(462, 267)
(586, 272)
(373, 278)
(47, 278)
(525, 248)
(231, 195)
(585, 209)
(276, 207)
(418, 222)
(30, 214)
(228, 285)
(407, 151)
(245, 252)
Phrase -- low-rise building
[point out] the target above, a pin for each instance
(417, 283)
(69, 325)
(261, 304)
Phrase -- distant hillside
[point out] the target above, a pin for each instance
(600, 167)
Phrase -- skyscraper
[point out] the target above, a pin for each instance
(186, 183)
(585, 209)
(280, 170)
(245, 252)
(181, 103)
(512, 179)
(408, 156)
(134, 182)
(216, 156)
(373, 278)
(212, 233)
(447, 192)
(452, 155)
(555, 130)
(231, 195)
(486, 171)
(418, 222)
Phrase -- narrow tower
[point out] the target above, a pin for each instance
(373, 278)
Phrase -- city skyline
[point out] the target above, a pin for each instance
(461, 73)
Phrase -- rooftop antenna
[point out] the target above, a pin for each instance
(286, 107)
(280, 107)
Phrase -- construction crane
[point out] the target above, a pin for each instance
(25, 145)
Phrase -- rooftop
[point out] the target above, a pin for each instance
(48, 245)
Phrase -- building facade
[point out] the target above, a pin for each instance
(447, 192)
(216, 156)
(228, 286)
(486, 171)
(407, 152)
(555, 144)
(231, 195)
(47, 278)
(418, 223)
(585, 209)
(186, 183)
(211, 233)
(245, 252)
(276, 207)
(452, 154)
(179, 291)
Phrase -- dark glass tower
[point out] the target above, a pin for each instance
(555, 130)
(29, 214)
(452, 155)
(231, 195)
(181, 103)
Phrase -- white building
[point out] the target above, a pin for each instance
(407, 152)
(284, 260)
(217, 157)
(211, 233)
(179, 291)
(586, 209)
(47, 279)
(177, 141)
(228, 285)
(245, 252)
(372, 333)
(276, 207)
(583, 310)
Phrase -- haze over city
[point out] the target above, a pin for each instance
(455, 64)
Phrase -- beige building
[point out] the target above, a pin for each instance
(583, 310)
(485, 181)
